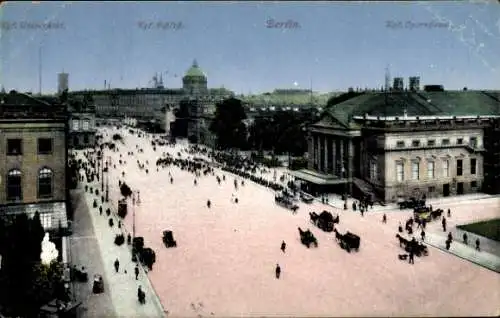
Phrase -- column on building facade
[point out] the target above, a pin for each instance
(322, 153)
(350, 157)
(310, 152)
(341, 158)
(334, 155)
(318, 153)
(350, 163)
(325, 164)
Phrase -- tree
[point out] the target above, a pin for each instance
(24, 284)
(228, 125)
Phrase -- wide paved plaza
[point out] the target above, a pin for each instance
(226, 255)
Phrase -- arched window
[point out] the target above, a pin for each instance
(14, 185)
(45, 183)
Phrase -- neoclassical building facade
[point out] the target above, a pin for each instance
(33, 159)
(395, 157)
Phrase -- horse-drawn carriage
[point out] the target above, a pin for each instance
(98, 285)
(286, 202)
(418, 248)
(306, 198)
(348, 240)
(325, 220)
(79, 275)
(427, 214)
(307, 238)
(411, 203)
(168, 239)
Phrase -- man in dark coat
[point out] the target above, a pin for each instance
(283, 246)
(117, 265)
(136, 270)
(278, 271)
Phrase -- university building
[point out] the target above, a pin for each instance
(401, 144)
(33, 158)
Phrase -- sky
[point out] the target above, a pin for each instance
(241, 46)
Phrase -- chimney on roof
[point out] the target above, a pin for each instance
(414, 83)
(398, 84)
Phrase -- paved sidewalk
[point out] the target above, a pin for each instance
(467, 252)
(123, 287)
(335, 201)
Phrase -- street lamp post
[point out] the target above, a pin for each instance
(134, 203)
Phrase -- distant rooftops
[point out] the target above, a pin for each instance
(21, 106)
(415, 118)
(422, 104)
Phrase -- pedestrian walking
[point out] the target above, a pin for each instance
(283, 246)
(477, 245)
(422, 235)
(278, 271)
(384, 218)
(465, 238)
(136, 270)
(443, 223)
(117, 265)
(449, 213)
(412, 260)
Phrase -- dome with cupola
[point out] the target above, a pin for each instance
(195, 71)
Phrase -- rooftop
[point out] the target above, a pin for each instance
(16, 105)
(284, 98)
(396, 104)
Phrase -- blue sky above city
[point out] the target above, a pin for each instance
(331, 45)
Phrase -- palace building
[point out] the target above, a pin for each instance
(33, 158)
(156, 104)
(399, 144)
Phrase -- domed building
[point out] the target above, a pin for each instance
(158, 103)
(194, 81)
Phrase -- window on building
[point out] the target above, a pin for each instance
(446, 168)
(44, 146)
(473, 184)
(415, 143)
(432, 189)
(445, 142)
(400, 144)
(75, 124)
(45, 183)
(459, 167)
(473, 142)
(415, 170)
(86, 139)
(46, 220)
(431, 143)
(14, 186)
(14, 147)
(400, 171)
(373, 171)
(473, 165)
(86, 124)
(430, 169)
(460, 141)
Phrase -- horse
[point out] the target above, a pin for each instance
(338, 236)
(402, 240)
